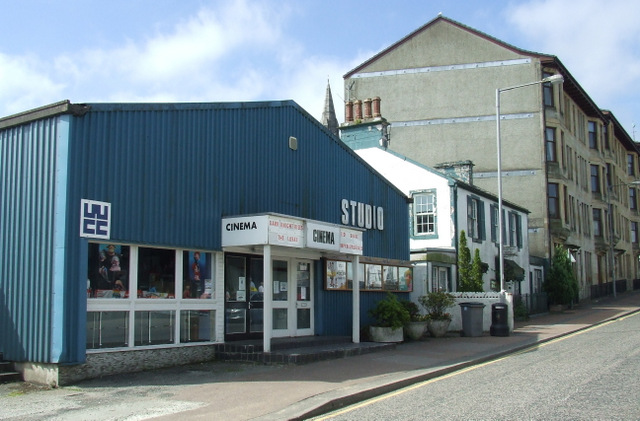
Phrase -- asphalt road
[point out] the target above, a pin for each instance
(591, 375)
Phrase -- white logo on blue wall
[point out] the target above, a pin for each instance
(95, 219)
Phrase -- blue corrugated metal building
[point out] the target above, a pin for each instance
(156, 227)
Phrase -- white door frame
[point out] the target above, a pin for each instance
(292, 304)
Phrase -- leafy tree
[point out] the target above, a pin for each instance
(464, 264)
(477, 285)
(561, 284)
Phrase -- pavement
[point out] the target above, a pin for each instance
(223, 390)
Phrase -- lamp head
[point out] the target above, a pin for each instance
(554, 79)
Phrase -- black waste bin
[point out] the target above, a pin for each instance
(472, 319)
(499, 320)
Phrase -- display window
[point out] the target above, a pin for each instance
(108, 271)
(167, 296)
(156, 273)
(154, 327)
(107, 329)
(197, 325)
(197, 282)
(371, 276)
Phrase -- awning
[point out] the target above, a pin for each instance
(513, 271)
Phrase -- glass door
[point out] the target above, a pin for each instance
(304, 302)
(292, 298)
(243, 281)
(281, 299)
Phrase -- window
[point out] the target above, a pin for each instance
(553, 200)
(515, 230)
(593, 139)
(633, 200)
(156, 273)
(108, 271)
(475, 219)
(605, 137)
(547, 91)
(424, 214)
(597, 222)
(630, 165)
(196, 275)
(118, 274)
(494, 223)
(537, 281)
(550, 138)
(634, 232)
(372, 276)
(440, 279)
(595, 179)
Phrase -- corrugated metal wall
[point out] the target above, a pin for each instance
(170, 172)
(27, 270)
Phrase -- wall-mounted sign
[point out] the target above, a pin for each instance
(362, 215)
(350, 241)
(290, 232)
(95, 219)
(323, 237)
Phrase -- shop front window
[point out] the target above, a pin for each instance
(107, 329)
(136, 275)
(371, 276)
(197, 326)
(108, 271)
(153, 327)
(197, 282)
(156, 273)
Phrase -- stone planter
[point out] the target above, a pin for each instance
(386, 334)
(438, 328)
(415, 330)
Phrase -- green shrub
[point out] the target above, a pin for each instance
(560, 284)
(436, 304)
(390, 312)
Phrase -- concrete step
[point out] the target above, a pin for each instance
(7, 373)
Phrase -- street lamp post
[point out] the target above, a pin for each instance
(555, 79)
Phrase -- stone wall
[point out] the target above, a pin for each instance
(127, 361)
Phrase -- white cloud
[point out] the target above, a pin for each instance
(598, 42)
(23, 81)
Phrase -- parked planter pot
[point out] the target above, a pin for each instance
(386, 334)
(415, 330)
(438, 328)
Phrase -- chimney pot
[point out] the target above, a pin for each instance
(376, 107)
(357, 105)
(367, 108)
(348, 111)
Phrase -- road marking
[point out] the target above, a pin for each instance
(462, 371)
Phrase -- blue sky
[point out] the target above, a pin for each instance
(241, 50)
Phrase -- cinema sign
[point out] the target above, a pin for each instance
(279, 230)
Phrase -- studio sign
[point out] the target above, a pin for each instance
(362, 215)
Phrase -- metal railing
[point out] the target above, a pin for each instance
(535, 303)
(605, 289)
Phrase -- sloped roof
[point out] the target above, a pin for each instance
(571, 85)
(403, 168)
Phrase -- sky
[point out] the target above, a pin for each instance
(252, 50)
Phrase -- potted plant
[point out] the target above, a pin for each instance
(436, 304)
(417, 324)
(390, 316)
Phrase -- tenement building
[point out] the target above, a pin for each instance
(570, 163)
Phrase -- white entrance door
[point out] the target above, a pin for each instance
(292, 297)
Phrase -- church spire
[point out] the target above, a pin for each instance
(329, 119)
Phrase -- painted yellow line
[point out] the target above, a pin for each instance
(458, 372)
